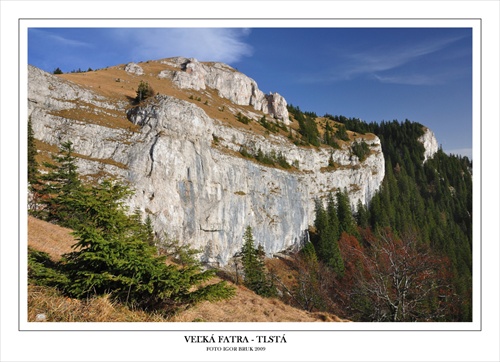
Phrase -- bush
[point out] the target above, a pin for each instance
(243, 119)
(341, 133)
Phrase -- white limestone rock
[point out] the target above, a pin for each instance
(428, 139)
(231, 84)
(41, 317)
(51, 92)
(133, 68)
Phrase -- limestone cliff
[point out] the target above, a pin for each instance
(184, 163)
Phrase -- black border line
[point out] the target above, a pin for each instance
(480, 85)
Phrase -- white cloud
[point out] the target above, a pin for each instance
(206, 44)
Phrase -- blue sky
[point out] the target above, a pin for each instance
(375, 74)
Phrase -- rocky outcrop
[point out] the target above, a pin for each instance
(230, 84)
(133, 68)
(189, 176)
(428, 139)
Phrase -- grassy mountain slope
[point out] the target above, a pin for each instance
(245, 306)
(119, 86)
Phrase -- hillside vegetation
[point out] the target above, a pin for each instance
(244, 306)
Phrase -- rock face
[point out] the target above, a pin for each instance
(186, 169)
(232, 85)
(428, 139)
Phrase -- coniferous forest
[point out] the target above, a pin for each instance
(407, 256)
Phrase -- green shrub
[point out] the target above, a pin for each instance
(144, 91)
(361, 150)
(243, 119)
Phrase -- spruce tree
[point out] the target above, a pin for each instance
(32, 152)
(253, 266)
(144, 91)
(346, 220)
(362, 215)
(58, 187)
(112, 255)
(328, 231)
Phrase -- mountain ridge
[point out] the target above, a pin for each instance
(182, 151)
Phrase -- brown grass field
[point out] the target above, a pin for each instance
(245, 306)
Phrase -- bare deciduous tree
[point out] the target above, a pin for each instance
(403, 281)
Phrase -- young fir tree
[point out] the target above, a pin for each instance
(253, 266)
(32, 152)
(113, 256)
(328, 231)
(57, 188)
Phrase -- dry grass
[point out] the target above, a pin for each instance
(245, 306)
(58, 308)
(49, 238)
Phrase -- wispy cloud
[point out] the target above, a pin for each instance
(378, 60)
(410, 79)
(386, 64)
(219, 44)
(59, 39)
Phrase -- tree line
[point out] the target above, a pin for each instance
(407, 256)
